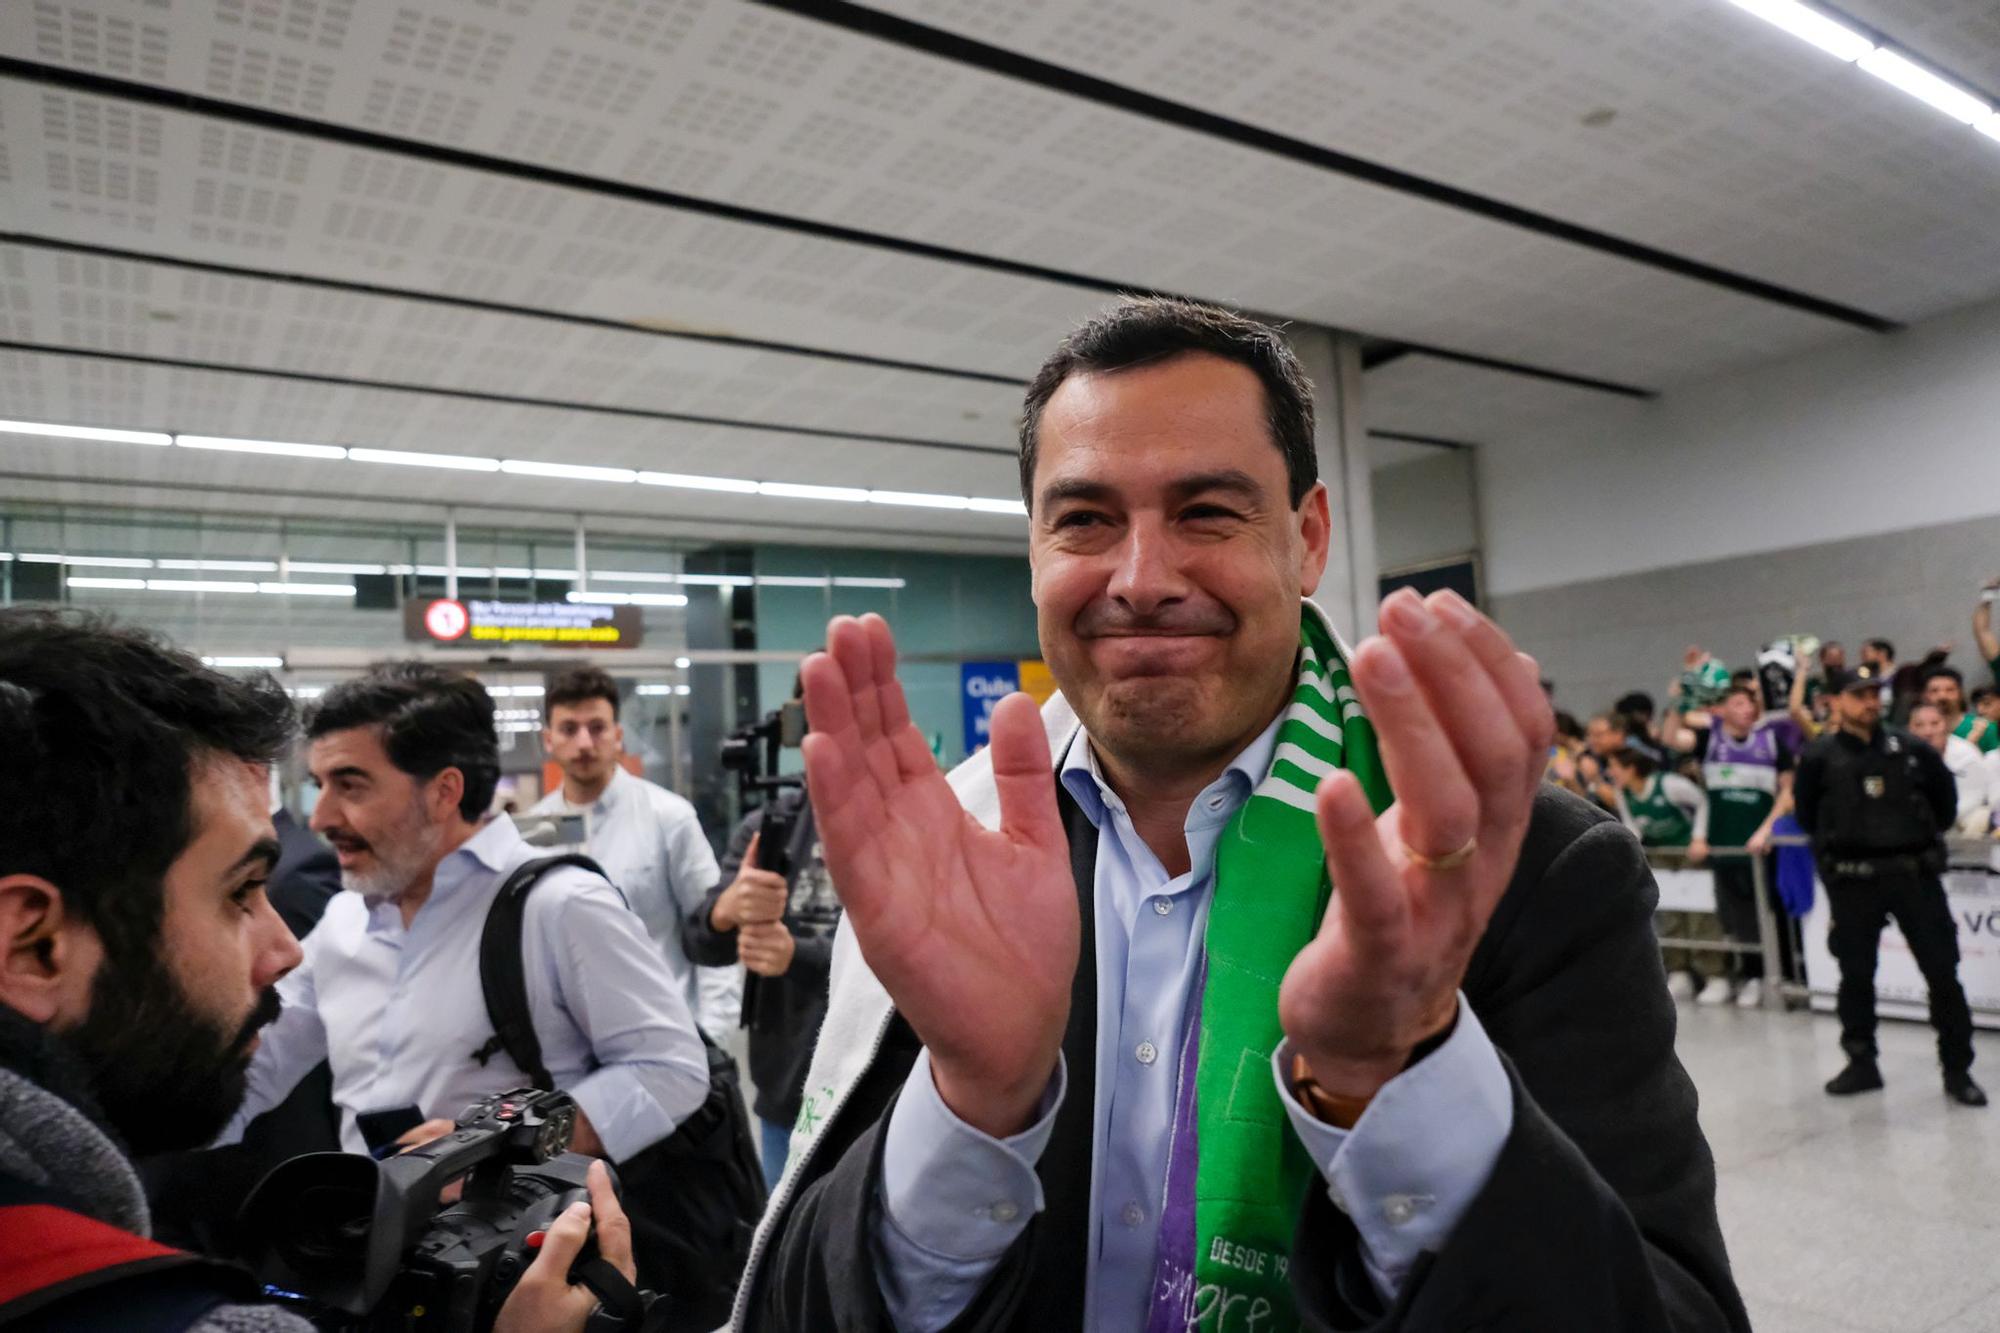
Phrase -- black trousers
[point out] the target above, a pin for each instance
(1736, 908)
(1861, 907)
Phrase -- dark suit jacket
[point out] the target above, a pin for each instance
(1599, 1214)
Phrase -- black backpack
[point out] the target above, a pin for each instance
(695, 1196)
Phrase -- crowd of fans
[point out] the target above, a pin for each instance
(1709, 779)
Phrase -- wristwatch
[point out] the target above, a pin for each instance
(1343, 1112)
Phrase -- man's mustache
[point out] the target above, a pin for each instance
(1105, 618)
(269, 1006)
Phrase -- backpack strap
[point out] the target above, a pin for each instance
(54, 1252)
(503, 977)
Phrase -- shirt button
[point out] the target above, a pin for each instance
(1401, 1209)
(1215, 802)
(1004, 1211)
(1146, 1053)
(1133, 1215)
(1163, 906)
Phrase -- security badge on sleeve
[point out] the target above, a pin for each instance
(1873, 787)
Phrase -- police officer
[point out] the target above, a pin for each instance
(1876, 801)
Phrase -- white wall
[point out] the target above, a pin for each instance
(1423, 510)
(1871, 435)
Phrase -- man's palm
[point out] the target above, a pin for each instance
(973, 931)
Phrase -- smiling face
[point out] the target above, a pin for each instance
(1927, 722)
(1168, 562)
(1945, 694)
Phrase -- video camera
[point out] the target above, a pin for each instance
(751, 752)
(359, 1246)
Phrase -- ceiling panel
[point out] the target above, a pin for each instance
(1425, 395)
(1688, 125)
(758, 108)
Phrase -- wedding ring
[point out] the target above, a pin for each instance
(1449, 861)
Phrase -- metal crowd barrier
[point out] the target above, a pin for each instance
(1782, 992)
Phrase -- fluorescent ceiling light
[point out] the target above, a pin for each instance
(1990, 127)
(333, 567)
(517, 728)
(408, 458)
(795, 490)
(198, 585)
(268, 662)
(552, 575)
(54, 431)
(870, 583)
(1802, 21)
(133, 585)
(791, 581)
(1014, 507)
(231, 566)
(717, 580)
(919, 500)
(516, 714)
(633, 576)
(656, 689)
(1925, 86)
(688, 481)
(683, 689)
(307, 691)
(683, 662)
(630, 598)
(571, 471)
(515, 691)
(278, 447)
(92, 561)
(307, 589)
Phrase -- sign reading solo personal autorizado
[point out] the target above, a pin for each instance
(473, 622)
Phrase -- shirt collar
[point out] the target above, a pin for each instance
(1083, 778)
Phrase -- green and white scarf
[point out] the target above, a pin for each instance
(1236, 1175)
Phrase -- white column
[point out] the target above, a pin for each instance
(1348, 590)
(451, 554)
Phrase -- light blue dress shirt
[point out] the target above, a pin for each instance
(954, 1199)
(399, 1012)
(650, 843)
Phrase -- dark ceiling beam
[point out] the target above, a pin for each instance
(507, 399)
(908, 33)
(34, 242)
(101, 85)
(1429, 441)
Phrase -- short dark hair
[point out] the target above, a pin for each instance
(573, 685)
(1150, 329)
(1925, 703)
(1636, 704)
(1747, 690)
(1950, 673)
(1636, 759)
(1981, 694)
(1882, 646)
(1567, 725)
(104, 728)
(1618, 720)
(431, 719)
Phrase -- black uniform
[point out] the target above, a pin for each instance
(1876, 810)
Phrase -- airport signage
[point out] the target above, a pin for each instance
(477, 623)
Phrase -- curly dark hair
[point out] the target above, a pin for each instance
(1149, 329)
(104, 728)
(576, 684)
(432, 718)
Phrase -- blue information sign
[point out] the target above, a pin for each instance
(984, 684)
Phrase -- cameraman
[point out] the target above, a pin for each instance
(138, 962)
(780, 924)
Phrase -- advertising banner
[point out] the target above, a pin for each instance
(981, 686)
(1974, 898)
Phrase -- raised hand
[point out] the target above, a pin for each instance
(1464, 726)
(972, 931)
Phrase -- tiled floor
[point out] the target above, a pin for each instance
(1870, 1214)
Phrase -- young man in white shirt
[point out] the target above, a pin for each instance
(648, 839)
(1969, 768)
